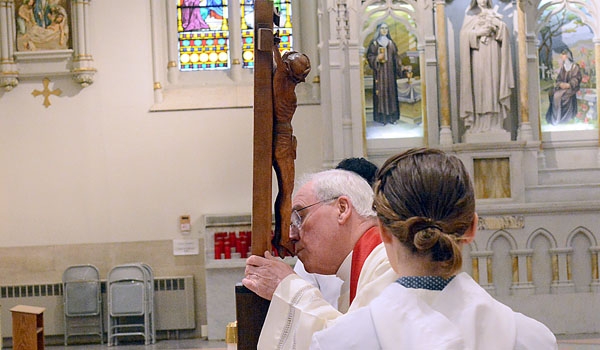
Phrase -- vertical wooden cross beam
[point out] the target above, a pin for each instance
(263, 127)
(251, 309)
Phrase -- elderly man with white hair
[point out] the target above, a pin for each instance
(335, 231)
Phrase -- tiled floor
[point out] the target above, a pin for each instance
(581, 342)
(160, 345)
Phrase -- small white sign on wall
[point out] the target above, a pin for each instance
(186, 246)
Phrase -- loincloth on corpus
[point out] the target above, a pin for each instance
(284, 142)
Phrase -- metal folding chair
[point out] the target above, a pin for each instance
(128, 307)
(150, 300)
(82, 301)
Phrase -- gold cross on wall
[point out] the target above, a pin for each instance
(46, 92)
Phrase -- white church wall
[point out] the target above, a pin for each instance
(98, 178)
(97, 166)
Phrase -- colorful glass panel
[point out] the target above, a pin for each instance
(567, 70)
(203, 34)
(283, 29)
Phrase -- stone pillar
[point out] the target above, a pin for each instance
(475, 269)
(308, 33)
(233, 19)
(8, 69)
(561, 271)
(442, 58)
(521, 269)
(172, 43)
(154, 35)
(595, 285)
(525, 132)
(82, 67)
(424, 96)
(484, 269)
(597, 49)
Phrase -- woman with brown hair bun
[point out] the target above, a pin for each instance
(425, 203)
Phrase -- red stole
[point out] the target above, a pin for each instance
(362, 249)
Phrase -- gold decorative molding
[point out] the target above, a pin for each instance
(501, 222)
(172, 64)
(46, 92)
(475, 263)
(84, 69)
(316, 79)
(157, 86)
(82, 58)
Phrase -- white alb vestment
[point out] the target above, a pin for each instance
(298, 309)
(329, 285)
(461, 316)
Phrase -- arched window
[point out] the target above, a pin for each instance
(203, 50)
(204, 29)
(283, 28)
(203, 35)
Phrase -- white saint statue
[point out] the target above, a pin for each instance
(486, 75)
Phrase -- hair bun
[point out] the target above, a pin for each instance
(424, 232)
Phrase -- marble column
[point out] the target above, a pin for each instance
(442, 58)
(82, 68)
(522, 275)
(172, 43)
(561, 271)
(156, 69)
(235, 41)
(484, 269)
(597, 49)
(424, 96)
(8, 69)
(525, 132)
(308, 34)
(595, 285)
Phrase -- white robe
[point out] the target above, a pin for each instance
(298, 309)
(329, 285)
(461, 316)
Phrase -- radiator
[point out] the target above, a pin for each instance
(173, 300)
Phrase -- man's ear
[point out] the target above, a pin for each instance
(344, 208)
(469, 235)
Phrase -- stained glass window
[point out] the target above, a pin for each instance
(283, 29)
(203, 35)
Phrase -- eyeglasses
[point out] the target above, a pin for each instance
(297, 221)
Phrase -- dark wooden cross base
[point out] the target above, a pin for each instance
(251, 311)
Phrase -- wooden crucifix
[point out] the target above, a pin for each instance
(274, 148)
(251, 309)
